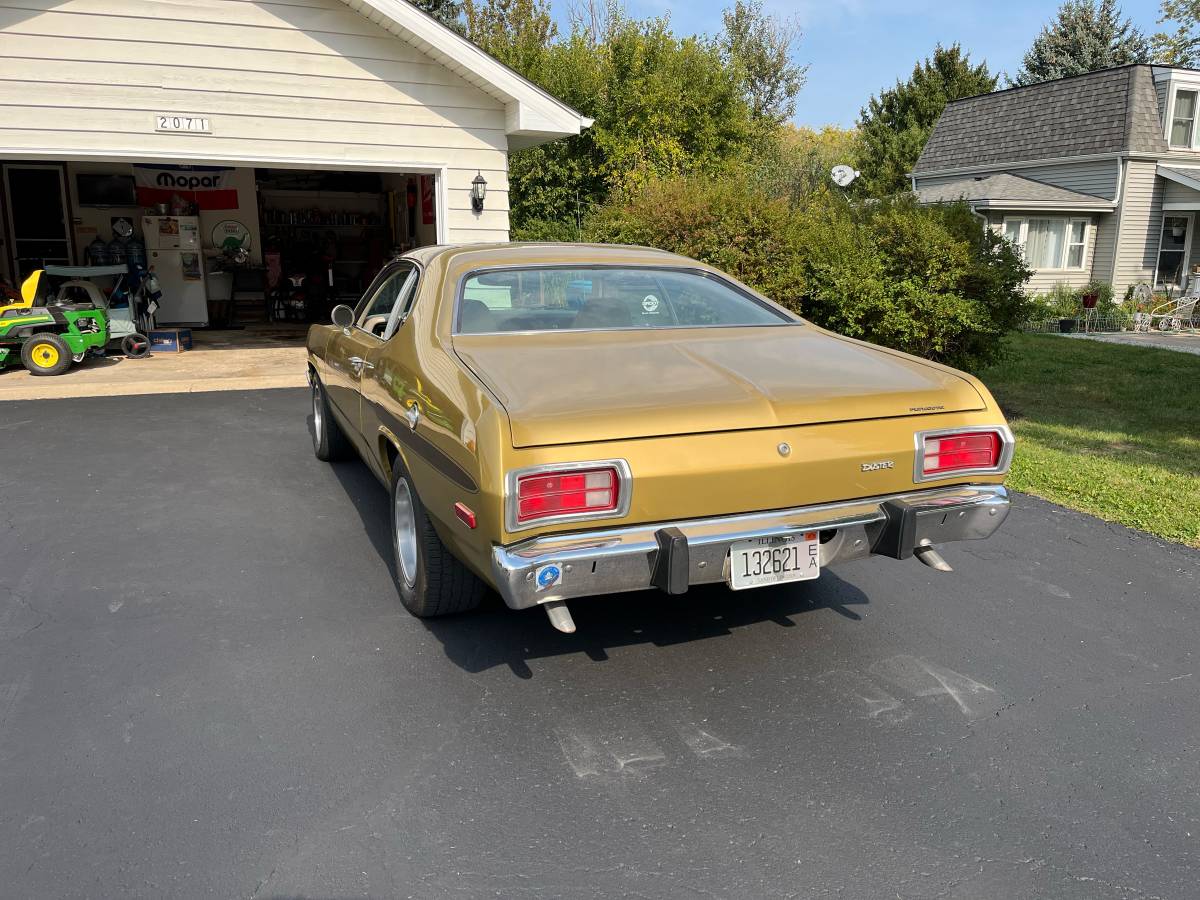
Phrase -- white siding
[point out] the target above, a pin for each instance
(1141, 224)
(1098, 177)
(292, 82)
(1104, 247)
(1174, 192)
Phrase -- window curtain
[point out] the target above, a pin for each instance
(1044, 243)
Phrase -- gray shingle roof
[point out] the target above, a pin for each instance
(1008, 188)
(1109, 111)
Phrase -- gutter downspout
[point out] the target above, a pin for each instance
(1122, 165)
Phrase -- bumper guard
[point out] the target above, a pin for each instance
(675, 555)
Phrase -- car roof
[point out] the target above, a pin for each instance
(535, 253)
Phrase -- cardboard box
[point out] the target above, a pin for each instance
(170, 340)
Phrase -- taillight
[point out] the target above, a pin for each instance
(566, 493)
(944, 454)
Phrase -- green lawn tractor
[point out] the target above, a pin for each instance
(47, 339)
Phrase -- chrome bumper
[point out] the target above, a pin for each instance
(631, 559)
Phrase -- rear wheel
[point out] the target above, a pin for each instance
(329, 441)
(46, 354)
(135, 346)
(431, 580)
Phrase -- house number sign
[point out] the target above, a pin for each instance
(179, 122)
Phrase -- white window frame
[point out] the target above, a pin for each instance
(1187, 245)
(1023, 235)
(1191, 144)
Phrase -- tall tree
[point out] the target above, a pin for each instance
(894, 126)
(759, 47)
(516, 32)
(1084, 36)
(445, 11)
(1181, 45)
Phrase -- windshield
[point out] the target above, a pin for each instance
(572, 299)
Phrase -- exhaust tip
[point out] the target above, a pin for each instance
(560, 616)
(928, 555)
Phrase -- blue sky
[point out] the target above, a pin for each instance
(856, 47)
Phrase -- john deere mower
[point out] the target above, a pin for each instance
(47, 339)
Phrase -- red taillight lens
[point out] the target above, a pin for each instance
(966, 450)
(566, 493)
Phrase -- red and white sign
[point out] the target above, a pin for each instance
(427, 199)
(206, 186)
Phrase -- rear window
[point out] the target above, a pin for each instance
(559, 299)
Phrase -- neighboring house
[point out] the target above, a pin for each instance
(1095, 177)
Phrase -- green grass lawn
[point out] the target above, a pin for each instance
(1107, 429)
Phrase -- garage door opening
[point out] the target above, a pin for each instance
(232, 247)
(327, 234)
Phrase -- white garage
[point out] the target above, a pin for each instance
(345, 130)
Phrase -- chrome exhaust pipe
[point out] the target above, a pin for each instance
(560, 616)
(927, 554)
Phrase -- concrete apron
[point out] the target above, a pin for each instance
(219, 361)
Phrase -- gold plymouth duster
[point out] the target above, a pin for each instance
(557, 421)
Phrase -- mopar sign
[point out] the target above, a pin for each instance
(189, 181)
(209, 187)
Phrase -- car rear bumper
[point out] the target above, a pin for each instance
(675, 555)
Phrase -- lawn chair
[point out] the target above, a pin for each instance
(1174, 315)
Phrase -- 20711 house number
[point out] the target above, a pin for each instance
(191, 124)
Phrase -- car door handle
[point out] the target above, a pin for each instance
(358, 364)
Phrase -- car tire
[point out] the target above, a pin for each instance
(135, 346)
(330, 443)
(431, 581)
(46, 354)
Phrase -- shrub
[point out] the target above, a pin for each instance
(1060, 302)
(928, 281)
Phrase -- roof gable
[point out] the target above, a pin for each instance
(1110, 111)
(533, 116)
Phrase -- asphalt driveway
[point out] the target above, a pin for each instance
(208, 687)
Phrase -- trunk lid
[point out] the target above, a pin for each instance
(581, 387)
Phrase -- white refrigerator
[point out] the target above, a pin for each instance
(174, 253)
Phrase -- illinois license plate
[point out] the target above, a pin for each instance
(775, 560)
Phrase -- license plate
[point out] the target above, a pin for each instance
(775, 560)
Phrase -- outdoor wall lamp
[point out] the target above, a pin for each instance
(478, 192)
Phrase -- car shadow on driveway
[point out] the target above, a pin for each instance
(482, 640)
(495, 635)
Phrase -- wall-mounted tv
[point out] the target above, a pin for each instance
(105, 190)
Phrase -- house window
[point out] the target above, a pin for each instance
(1183, 119)
(1172, 251)
(1049, 242)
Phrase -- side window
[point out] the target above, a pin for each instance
(404, 302)
(373, 315)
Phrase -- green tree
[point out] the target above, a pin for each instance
(759, 47)
(662, 105)
(894, 126)
(516, 32)
(1084, 36)
(796, 162)
(445, 11)
(1181, 45)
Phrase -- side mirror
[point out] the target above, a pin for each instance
(343, 316)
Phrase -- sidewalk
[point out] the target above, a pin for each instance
(1181, 342)
(252, 359)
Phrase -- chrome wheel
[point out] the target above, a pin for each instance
(404, 532)
(318, 416)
